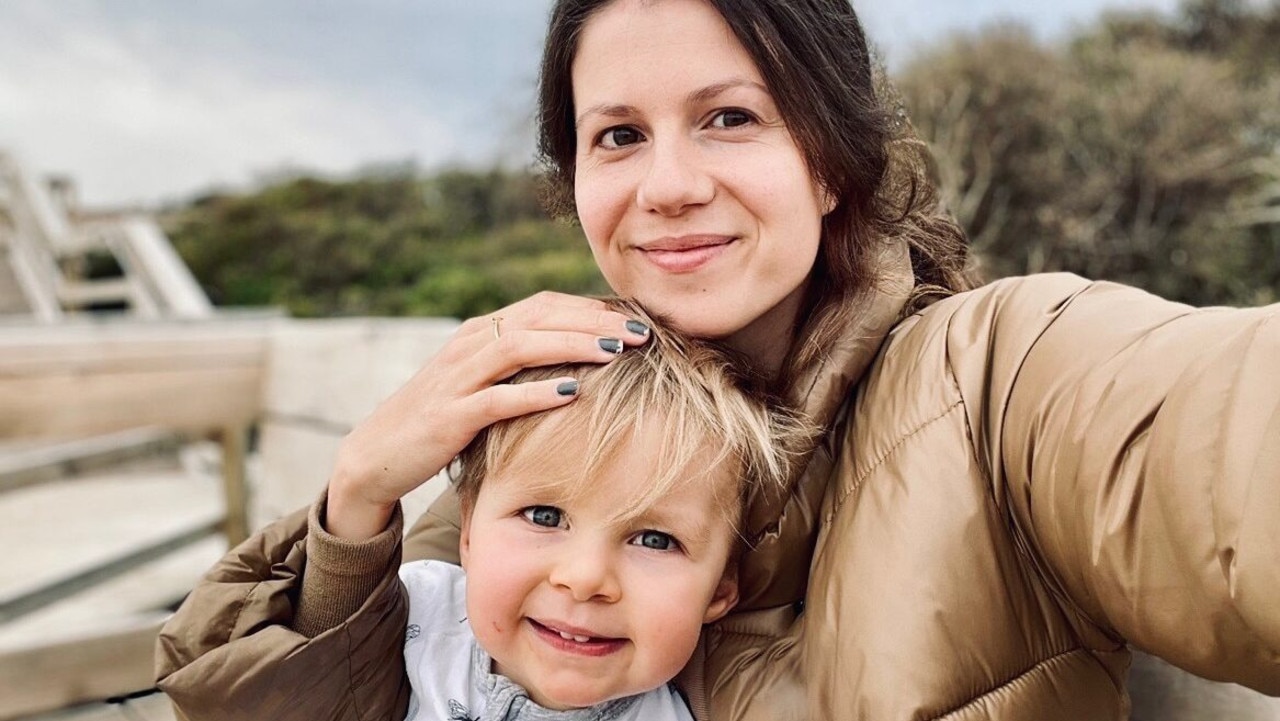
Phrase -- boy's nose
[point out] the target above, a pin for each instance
(587, 575)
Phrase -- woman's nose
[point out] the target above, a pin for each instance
(587, 575)
(675, 179)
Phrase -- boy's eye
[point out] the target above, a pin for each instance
(620, 137)
(731, 118)
(655, 540)
(546, 516)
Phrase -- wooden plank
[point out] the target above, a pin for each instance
(89, 712)
(125, 345)
(116, 661)
(52, 461)
(77, 404)
(87, 292)
(158, 585)
(20, 604)
(64, 529)
(235, 492)
(154, 707)
(36, 212)
(34, 271)
(81, 379)
(13, 301)
(153, 259)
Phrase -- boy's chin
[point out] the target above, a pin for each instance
(567, 699)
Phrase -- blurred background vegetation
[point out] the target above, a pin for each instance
(1144, 149)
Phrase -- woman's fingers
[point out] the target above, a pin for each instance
(420, 428)
(508, 400)
(557, 311)
(494, 356)
(517, 349)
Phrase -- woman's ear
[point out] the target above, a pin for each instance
(829, 202)
(725, 596)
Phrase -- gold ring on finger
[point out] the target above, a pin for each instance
(497, 330)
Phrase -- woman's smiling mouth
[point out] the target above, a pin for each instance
(687, 253)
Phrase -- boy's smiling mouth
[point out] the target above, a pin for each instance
(575, 640)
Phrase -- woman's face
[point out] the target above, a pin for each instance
(693, 195)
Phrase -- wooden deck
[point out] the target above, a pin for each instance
(95, 561)
(151, 707)
(107, 525)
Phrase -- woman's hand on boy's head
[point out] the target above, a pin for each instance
(416, 432)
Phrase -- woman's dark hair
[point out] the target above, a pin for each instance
(858, 145)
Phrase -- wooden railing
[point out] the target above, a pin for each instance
(106, 388)
(48, 242)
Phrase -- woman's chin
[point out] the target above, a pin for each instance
(697, 318)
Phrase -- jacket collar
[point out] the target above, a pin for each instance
(822, 390)
(783, 524)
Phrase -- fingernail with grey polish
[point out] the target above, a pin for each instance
(638, 328)
(568, 388)
(610, 345)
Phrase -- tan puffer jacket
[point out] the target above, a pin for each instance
(1017, 482)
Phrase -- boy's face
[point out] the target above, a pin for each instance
(578, 609)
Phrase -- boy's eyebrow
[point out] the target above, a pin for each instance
(701, 95)
(685, 527)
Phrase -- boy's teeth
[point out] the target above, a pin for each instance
(571, 637)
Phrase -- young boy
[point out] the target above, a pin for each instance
(597, 540)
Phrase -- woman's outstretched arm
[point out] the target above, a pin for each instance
(1140, 451)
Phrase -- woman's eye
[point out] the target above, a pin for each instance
(620, 137)
(656, 540)
(545, 516)
(731, 119)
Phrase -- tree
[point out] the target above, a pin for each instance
(459, 243)
(1129, 154)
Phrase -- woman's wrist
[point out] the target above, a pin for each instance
(352, 517)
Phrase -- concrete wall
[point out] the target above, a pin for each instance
(323, 377)
(1162, 692)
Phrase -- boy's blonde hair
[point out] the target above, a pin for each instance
(713, 422)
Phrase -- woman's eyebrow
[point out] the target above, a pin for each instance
(701, 95)
(710, 92)
(607, 110)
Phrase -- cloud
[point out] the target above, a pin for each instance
(148, 101)
(141, 108)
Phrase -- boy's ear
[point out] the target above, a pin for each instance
(464, 539)
(725, 597)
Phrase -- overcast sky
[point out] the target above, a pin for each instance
(147, 101)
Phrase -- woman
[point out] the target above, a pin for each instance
(1016, 481)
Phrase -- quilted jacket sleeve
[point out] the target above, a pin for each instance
(1138, 445)
(235, 650)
